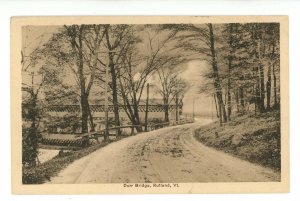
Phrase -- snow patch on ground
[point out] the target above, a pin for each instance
(47, 154)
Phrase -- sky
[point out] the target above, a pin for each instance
(33, 37)
(202, 103)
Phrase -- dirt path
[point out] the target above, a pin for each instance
(166, 155)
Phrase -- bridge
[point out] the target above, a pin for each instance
(101, 108)
(61, 139)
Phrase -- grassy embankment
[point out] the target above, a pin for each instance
(250, 137)
(43, 172)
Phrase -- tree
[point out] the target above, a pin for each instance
(231, 51)
(217, 83)
(33, 79)
(273, 57)
(75, 50)
(170, 84)
(114, 35)
(265, 36)
(200, 42)
(234, 54)
(238, 55)
(142, 55)
(247, 50)
(78, 38)
(31, 114)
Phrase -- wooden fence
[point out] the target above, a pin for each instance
(83, 140)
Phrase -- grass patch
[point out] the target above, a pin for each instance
(255, 138)
(43, 172)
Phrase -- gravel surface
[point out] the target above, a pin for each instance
(166, 155)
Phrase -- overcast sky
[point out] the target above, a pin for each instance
(202, 102)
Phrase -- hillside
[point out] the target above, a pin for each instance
(250, 137)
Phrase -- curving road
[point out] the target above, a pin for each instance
(166, 155)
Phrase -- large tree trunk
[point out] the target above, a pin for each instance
(126, 104)
(254, 98)
(274, 86)
(229, 90)
(76, 34)
(137, 117)
(262, 88)
(269, 88)
(217, 85)
(83, 95)
(135, 104)
(224, 115)
(242, 98)
(114, 93)
(166, 108)
(91, 119)
(257, 90)
(237, 101)
(230, 58)
(113, 83)
(84, 113)
(216, 104)
(274, 76)
(261, 78)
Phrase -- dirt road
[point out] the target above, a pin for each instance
(167, 155)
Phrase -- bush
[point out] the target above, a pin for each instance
(29, 146)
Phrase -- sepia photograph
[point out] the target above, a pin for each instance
(150, 104)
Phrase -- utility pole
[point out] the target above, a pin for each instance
(146, 113)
